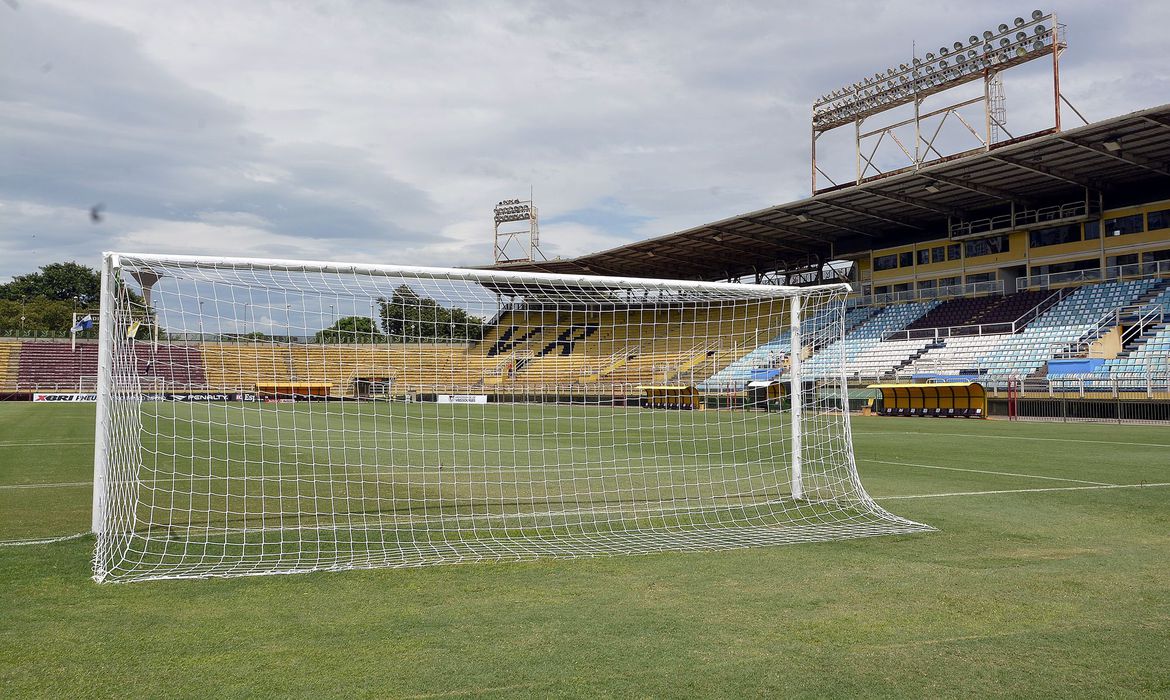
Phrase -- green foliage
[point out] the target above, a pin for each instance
(67, 281)
(351, 329)
(408, 317)
(40, 314)
(47, 300)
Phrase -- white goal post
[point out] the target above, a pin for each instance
(276, 416)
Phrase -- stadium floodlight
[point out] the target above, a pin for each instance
(516, 245)
(999, 48)
(409, 445)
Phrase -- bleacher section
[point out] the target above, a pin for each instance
(862, 348)
(9, 365)
(52, 366)
(170, 367)
(1151, 351)
(714, 349)
(1059, 328)
(772, 354)
(987, 310)
(421, 367)
(956, 356)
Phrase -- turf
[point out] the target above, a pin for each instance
(1042, 581)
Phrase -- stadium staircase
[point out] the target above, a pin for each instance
(1147, 348)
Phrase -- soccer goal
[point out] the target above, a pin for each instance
(274, 416)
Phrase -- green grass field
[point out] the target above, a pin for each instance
(1049, 576)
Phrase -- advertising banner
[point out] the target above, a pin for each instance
(462, 398)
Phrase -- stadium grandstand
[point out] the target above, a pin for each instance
(1038, 268)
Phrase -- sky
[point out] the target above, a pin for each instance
(384, 132)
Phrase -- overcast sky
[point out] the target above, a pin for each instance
(386, 131)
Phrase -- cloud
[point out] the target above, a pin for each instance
(385, 132)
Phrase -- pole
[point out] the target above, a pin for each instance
(105, 388)
(987, 77)
(794, 393)
(1056, 72)
(813, 158)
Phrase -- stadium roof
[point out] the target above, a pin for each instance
(1131, 152)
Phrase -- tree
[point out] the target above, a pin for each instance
(45, 301)
(67, 281)
(39, 314)
(351, 329)
(406, 316)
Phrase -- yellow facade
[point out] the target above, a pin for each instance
(1019, 254)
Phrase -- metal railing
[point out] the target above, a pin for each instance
(973, 289)
(1112, 273)
(1058, 278)
(1134, 271)
(1025, 217)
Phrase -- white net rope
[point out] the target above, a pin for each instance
(262, 417)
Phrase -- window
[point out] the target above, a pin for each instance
(885, 262)
(1123, 225)
(987, 246)
(1158, 219)
(882, 289)
(1114, 260)
(1054, 236)
(1092, 230)
(926, 284)
(950, 282)
(906, 260)
(924, 256)
(938, 254)
(955, 251)
(1156, 255)
(904, 287)
(980, 277)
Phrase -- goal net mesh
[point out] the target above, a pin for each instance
(262, 417)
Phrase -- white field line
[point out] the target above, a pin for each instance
(981, 436)
(1004, 491)
(57, 443)
(42, 540)
(986, 471)
(58, 485)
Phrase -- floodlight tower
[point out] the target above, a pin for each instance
(520, 244)
(981, 57)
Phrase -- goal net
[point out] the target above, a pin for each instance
(269, 416)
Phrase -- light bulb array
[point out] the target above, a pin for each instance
(960, 63)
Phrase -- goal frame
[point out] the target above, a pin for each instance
(109, 326)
